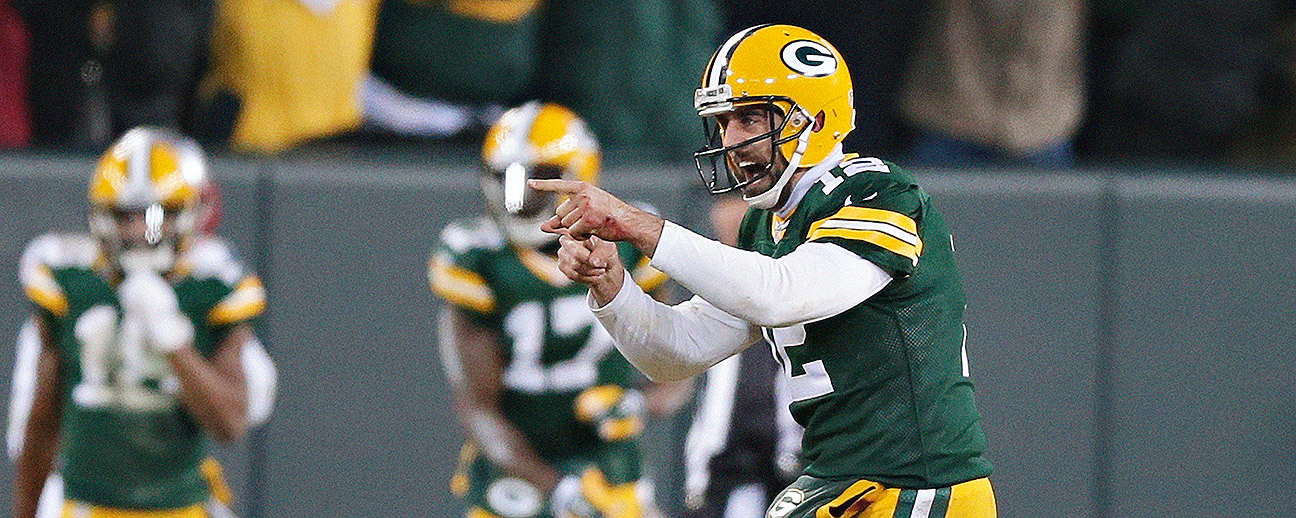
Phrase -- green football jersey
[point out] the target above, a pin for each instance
(882, 388)
(127, 441)
(554, 348)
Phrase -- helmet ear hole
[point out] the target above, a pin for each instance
(796, 120)
(818, 122)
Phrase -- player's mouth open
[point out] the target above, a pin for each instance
(751, 170)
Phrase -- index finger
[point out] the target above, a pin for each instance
(559, 186)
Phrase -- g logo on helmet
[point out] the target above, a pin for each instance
(809, 58)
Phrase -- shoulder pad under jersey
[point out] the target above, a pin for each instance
(211, 257)
(455, 281)
(873, 204)
(49, 252)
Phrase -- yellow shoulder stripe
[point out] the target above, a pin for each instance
(897, 219)
(460, 286)
(43, 290)
(246, 301)
(889, 230)
(544, 266)
(647, 277)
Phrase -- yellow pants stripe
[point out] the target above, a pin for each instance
(867, 499)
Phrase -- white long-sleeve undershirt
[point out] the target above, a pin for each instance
(735, 290)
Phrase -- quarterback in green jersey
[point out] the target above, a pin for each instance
(843, 267)
(553, 412)
(142, 324)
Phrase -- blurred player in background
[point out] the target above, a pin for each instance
(553, 412)
(259, 371)
(143, 331)
(262, 382)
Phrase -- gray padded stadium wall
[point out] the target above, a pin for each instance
(1204, 339)
(1130, 335)
(1027, 254)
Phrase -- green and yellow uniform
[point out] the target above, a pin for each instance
(557, 360)
(127, 442)
(882, 389)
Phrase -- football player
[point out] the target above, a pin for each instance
(553, 413)
(143, 325)
(258, 370)
(843, 267)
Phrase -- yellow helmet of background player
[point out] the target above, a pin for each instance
(534, 140)
(792, 71)
(153, 171)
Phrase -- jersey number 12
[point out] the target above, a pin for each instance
(807, 377)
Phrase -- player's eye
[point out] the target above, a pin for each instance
(122, 216)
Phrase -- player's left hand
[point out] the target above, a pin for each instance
(590, 211)
(587, 261)
(594, 263)
(147, 296)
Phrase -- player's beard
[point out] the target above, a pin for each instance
(756, 178)
(757, 174)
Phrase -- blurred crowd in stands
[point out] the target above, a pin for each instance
(1050, 83)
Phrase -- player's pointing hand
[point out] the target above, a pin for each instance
(590, 211)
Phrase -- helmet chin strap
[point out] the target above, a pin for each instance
(770, 197)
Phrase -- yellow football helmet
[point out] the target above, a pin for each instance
(156, 173)
(795, 73)
(536, 140)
